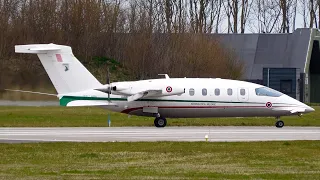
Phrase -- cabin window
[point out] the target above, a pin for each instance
(204, 91)
(217, 92)
(242, 92)
(191, 92)
(229, 92)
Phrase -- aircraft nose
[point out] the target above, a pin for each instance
(306, 108)
(309, 109)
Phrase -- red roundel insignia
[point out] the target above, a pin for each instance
(169, 89)
(268, 104)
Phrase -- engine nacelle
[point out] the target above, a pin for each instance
(119, 88)
(114, 88)
(150, 90)
(172, 90)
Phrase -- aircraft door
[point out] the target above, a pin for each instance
(243, 94)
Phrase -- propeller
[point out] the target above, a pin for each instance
(108, 82)
(109, 92)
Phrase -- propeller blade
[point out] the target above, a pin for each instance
(108, 82)
(108, 76)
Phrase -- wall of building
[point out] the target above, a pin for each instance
(294, 50)
(269, 50)
(284, 80)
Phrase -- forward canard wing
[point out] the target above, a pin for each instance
(292, 110)
(298, 110)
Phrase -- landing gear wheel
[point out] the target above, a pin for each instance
(160, 122)
(279, 124)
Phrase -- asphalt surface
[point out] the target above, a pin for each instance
(28, 103)
(134, 134)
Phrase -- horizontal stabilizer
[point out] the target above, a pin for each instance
(79, 103)
(45, 49)
(31, 92)
(37, 48)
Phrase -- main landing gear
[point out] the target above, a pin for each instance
(160, 121)
(279, 123)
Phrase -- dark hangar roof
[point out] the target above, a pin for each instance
(270, 50)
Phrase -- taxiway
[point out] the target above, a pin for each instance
(134, 134)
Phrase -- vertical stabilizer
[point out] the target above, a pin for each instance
(65, 71)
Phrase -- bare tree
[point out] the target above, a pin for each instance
(213, 15)
(136, 34)
(234, 10)
(218, 12)
(237, 13)
(132, 16)
(284, 9)
(169, 13)
(245, 12)
(309, 9)
(228, 13)
(312, 13)
(294, 15)
(180, 16)
(266, 14)
(318, 9)
(302, 10)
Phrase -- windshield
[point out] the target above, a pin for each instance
(265, 91)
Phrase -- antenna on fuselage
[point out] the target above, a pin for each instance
(165, 75)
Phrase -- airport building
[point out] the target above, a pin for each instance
(289, 63)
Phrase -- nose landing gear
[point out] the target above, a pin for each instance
(279, 123)
(160, 121)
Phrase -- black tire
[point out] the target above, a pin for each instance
(160, 122)
(279, 124)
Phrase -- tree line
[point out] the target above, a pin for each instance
(146, 36)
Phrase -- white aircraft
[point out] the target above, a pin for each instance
(161, 98)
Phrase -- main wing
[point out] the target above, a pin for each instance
(146, 93)
(138, 92)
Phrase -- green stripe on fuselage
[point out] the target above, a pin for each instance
(67, 99)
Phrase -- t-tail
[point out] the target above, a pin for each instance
(65, 71)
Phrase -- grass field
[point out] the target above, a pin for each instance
(161, 160)
(96, 117)
(152, 160)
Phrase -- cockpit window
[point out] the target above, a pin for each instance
(265, 91)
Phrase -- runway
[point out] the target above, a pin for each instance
(134, 134)
(29, 103)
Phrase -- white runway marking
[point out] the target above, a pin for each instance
(221, 134)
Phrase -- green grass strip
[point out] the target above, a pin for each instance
(161, 160)
(97, 117)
